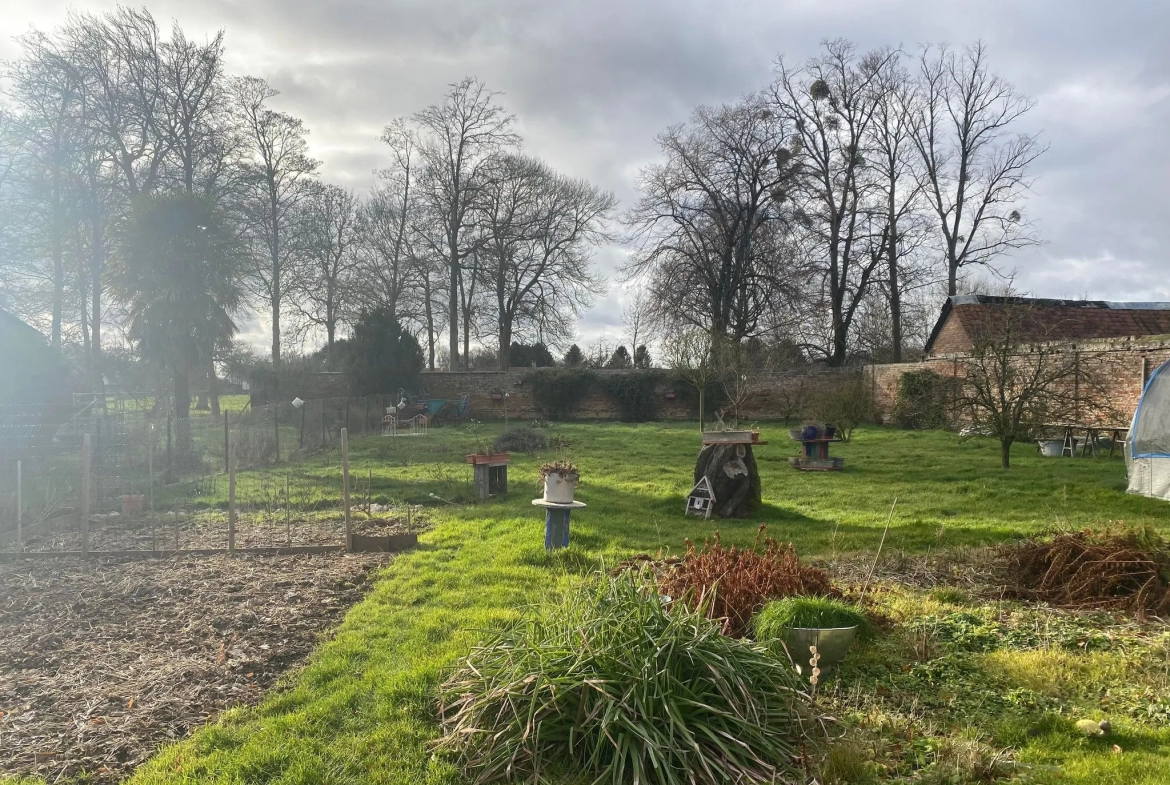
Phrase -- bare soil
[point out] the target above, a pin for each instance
(103, 662)
(208, 529)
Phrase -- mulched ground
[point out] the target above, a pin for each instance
(209, 529)
(101, 663)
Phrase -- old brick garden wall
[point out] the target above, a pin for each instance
(1119, 368)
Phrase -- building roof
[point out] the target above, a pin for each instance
(1053, 320)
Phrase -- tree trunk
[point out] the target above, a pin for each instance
(735, 479)
(182, 390)
(95, 315)
(453, 305)
(505, 344)
(1005, 453)
(430, 316)
(213, 388)
(895, 284)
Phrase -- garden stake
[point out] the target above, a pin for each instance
(873, 566)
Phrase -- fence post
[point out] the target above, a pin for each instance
(85, 466)
(19, 512)
(323, 440)
(301, 442)
(366, 415)
(287, 514)
(276, 427)
(232, 493)
(226, 449)
(347, 412)
(345, 489)
(170, 463)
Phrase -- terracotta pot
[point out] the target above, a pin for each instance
(132, 503)
(559, 489)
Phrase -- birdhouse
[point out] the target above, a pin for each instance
(701, 500)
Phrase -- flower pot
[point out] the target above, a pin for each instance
(559, 489)
(830, 431)
(795, 434)
(132, 503)
(810, 432)
(832, 644)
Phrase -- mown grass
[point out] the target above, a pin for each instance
(362, 710)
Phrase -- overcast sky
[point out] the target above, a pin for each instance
(593, 81)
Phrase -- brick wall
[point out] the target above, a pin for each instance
(1120, 366)
(777, 396)
(1117, 369)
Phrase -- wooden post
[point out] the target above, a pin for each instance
(347, 412)
(287, 514)
(150, 480)
(345, 489)
(85, 465)
(232, 492)
(323, 442)
(19, 511)
(276, 427)
(170, 463)
(365, 415)
(369, 492)
(301, 442)
(226, 448)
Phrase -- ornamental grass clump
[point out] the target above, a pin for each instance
(779, 617)
(732, 584)
(615, 682)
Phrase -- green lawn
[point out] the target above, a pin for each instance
(362, 710)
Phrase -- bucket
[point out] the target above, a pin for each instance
(558, 489)
(132, 503)
(1050, 448)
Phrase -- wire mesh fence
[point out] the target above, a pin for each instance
(121, 475)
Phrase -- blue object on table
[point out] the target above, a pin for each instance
(811, 432)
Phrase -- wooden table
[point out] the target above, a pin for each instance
(815, 457)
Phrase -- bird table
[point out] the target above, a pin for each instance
(556, 522)
(815, 455)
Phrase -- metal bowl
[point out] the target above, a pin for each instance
(832, 643)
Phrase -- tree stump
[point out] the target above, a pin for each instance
(735, 479)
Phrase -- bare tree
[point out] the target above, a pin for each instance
(1015, 381)
(276, 168)
(974, 166)
(637, 316)
(540, 228)
(192, 103)
(389, 224)
(326, 244)
(831, 102)
(710, 225)
(897, 228)
(459, 137)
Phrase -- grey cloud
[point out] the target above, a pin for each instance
(592, 82)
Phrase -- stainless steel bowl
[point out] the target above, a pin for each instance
(832, 643)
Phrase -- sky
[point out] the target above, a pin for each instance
(593, 81)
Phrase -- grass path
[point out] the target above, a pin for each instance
(362, 712)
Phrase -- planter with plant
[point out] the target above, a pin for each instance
(485, 452)
(801, 624)
(559, 481)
